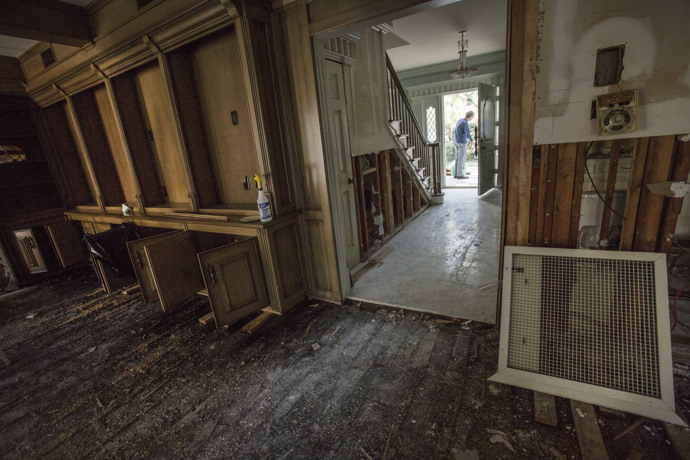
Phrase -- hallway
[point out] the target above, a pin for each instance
(439, 260)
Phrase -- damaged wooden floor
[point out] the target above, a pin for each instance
(97, 375)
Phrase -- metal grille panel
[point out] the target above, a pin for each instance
(591, 325)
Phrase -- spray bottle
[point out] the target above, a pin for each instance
(264, 206)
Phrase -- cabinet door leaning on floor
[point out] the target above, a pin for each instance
(174, 268)
(234, 280)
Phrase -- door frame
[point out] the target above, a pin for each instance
(321, 54)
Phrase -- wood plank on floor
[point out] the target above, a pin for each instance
(588, 434)
(545, 409)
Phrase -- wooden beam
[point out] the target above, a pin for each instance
(541, 198)
(549, 202)
(45, 21)
(632, 203)
(563, 194)
(588, 434)
(577, 193)
(610, 188)
(257, 322)
(545, 409)
(360, 205)
(534, 195)
(658, 170)
(672, 206)
(386, 191)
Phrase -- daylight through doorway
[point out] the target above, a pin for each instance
(455, 106)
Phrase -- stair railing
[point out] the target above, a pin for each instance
(401, 109)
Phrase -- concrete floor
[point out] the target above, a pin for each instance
(441, 258)
(472, 181)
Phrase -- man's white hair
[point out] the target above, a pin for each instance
(469, 114)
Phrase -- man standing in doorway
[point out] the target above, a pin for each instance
(461, 137)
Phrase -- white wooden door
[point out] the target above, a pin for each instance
(339, 150)
(487, 142)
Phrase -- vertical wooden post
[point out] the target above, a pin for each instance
(610, 188)
(386, 191)
(632, 202)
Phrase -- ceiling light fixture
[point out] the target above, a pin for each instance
(463, 70)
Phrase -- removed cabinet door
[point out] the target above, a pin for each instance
(174, 269)
(142, 267)
(67, 242)
(234, 280)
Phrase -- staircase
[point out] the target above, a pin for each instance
(420, 158)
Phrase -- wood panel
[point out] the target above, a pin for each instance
(69, 162)
(286, 265)
(188, 106)
(134, 127)
(175, 269)
(320, 234)
(97, 147)
(234, 280)
(165, 143)
(268, 107)
(116, 145)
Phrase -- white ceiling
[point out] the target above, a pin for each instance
(14, 46)
(433, 34)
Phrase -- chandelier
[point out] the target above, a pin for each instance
(463, 71)
(10, 153)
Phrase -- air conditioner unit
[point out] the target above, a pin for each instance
(588, 325)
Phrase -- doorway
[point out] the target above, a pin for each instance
(440, 258)
(455, 106)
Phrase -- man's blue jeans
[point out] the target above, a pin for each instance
(460, 157)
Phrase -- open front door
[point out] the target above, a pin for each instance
(339, 149)
(487, 142)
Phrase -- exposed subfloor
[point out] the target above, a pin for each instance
(105, 376)
(441, 259)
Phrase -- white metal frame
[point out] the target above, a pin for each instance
(658, 408)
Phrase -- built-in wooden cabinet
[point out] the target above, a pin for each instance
(180, 120)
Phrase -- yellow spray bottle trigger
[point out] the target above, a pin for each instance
(257, 179)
